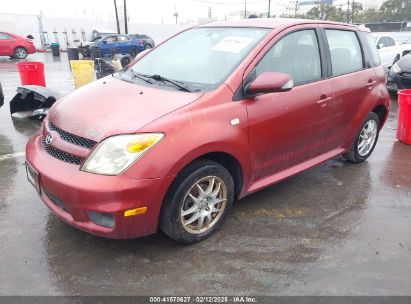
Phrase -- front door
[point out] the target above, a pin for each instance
(289, 128)
(6, 45)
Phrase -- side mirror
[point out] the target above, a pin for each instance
(269, 82)
(104, 42)
(380, 46)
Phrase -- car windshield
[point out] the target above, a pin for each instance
(200, 58)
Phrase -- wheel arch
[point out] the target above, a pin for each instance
(227, 160)
(20, 46)
(231, 164)
(382, 112)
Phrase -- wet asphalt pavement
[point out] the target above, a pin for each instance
(337, 229)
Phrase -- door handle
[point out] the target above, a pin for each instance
(324, 100)
(371, 83)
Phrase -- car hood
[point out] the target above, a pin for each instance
(111, 106)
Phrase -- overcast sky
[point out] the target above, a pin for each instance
(152, 11)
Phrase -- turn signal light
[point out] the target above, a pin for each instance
(136, 211)
(141, 144)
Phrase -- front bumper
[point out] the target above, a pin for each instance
(71, 194)
(396, 82)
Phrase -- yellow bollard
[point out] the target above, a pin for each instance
(83, 72)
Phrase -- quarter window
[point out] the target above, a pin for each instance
(346, 55)
(373, 53)
(297, 55)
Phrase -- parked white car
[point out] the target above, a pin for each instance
(387, 48)
(390, 49)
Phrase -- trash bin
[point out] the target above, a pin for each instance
(404, 117)
(31, 73)
(73, 54)
(55, 49)
(83, 72)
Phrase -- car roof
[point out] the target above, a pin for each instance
(273, 23)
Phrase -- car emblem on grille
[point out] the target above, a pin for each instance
(49, 139)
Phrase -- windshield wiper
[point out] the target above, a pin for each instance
(173, 82)
(140, 76)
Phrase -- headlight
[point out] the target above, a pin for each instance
(115, 154)
(396, 68)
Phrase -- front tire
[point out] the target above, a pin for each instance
(197, 202)
(133, 52)
(366, 140)
(20, 53)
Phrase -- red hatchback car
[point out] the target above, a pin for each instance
(211, 115)
(15, 46)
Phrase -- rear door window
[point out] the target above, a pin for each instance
(345, 49)
(111, 39)
(297, 55)
(390, 41)
(4, 36)
(123, 38)
(382, 42)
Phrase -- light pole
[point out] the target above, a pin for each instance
(117, 22)
(295, 9)
(269, 6)
(125, 17)
(175, 13)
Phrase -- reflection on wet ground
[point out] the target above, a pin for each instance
(336, 229)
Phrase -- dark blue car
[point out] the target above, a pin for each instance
(111, 44)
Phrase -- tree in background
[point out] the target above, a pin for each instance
(325, 12)
(390, 11)
(395, 10)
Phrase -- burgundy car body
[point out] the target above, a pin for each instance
(8, 46)
(263, 140)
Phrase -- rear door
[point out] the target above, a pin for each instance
(110, 46)
(289, 128)
(124, 44)
(352, 82)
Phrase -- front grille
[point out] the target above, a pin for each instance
(74, 139)
(66, 157)
(56, 201)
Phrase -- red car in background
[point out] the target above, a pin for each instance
(15, 46)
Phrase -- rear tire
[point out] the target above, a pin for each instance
(366, 140)
(197, 202)
(20, 53)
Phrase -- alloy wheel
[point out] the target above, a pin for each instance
(21, 53)
(203, 205)
(367, 138)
